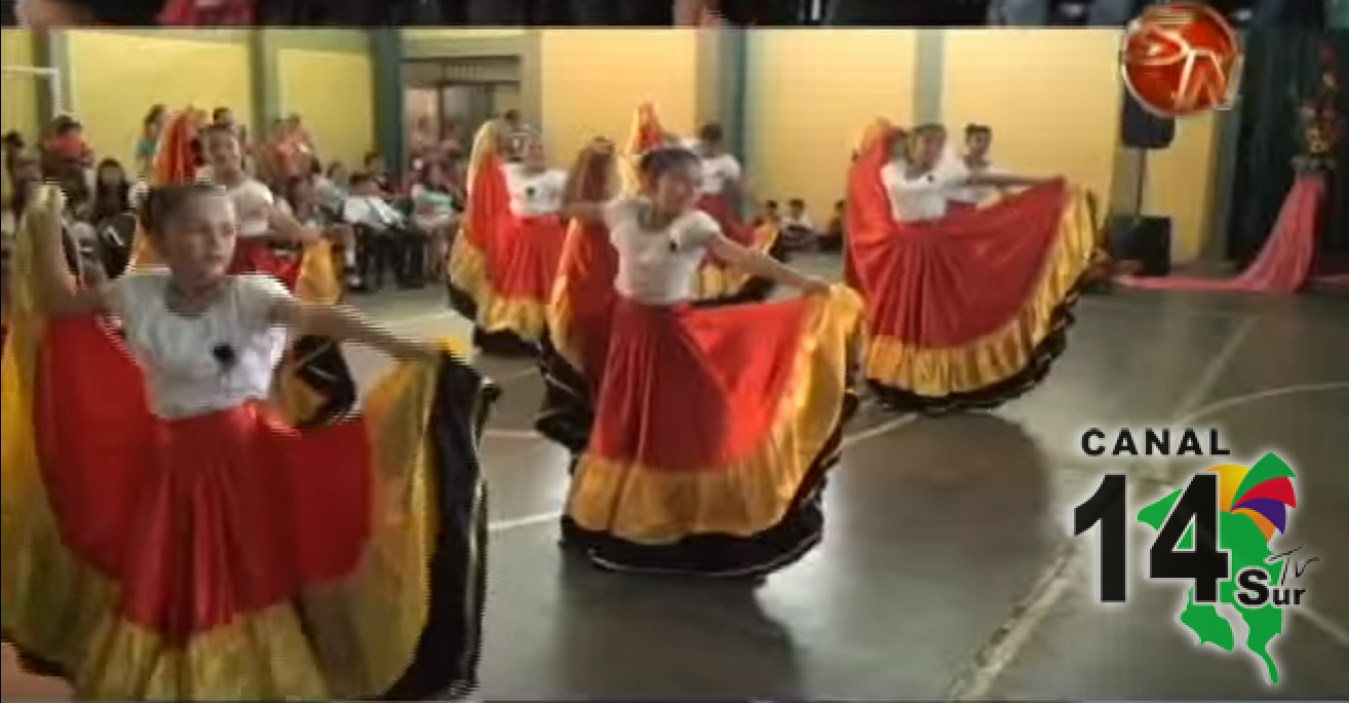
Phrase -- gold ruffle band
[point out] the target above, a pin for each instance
(1002, 355)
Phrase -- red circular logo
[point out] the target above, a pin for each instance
(1181, 59)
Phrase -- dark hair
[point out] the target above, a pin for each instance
(796, 202)
(219, 112)
(371, 156)
(151, 117)
(110, 200)
(165, 204)
(658, 161)
(926, 129)
(711, 133)
(839, 204)
(13, 140)
(360, 178)
(65, 123)
(213, 129)
(972, 129)
(333, 166)
(315, 167)
(771, 204)
(512, 115)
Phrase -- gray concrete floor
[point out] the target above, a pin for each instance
(948, 567)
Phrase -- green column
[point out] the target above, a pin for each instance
(734, 100)
(387, 50)
(928, 76)
(262, 63)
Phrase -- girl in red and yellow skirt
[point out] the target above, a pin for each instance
(503, 262)
(315, 385)
(166, 535)
(965, 309)
(713, 426)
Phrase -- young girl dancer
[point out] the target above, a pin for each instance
(714, 426)
(967, 309)
(975, 161)
(503, 263)
(167, 536)
(723, 184)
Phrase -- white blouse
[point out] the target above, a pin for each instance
(717, 171)
(253, 202)
(535, 194)
(920, 198)
(657, 268)
(970, 194)
(212, 361)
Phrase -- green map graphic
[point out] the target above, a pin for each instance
(1239, 535)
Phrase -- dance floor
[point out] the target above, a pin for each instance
(947, 567)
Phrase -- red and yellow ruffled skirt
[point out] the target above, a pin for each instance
(972, 309)
(230, 555)
(713, 431)
(513, 302)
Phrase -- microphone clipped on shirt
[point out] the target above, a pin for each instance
(225, 356)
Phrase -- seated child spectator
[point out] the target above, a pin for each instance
(832, 239)
(798, 230)
(386, 234)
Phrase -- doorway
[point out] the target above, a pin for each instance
(457, 95)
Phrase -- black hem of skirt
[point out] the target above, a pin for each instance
(503, 343)
(722, 555)
(1042, 358)
(566, 413)
(446, 660)
(461, 302)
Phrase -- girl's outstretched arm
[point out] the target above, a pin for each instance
(1002, 180)
(58, 293)
(763, 266)
(345, 323)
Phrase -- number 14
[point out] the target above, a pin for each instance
(1205, 564)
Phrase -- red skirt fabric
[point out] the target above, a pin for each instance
(251, 256)
(529, 251)
(956, 206)
(691, 388)
(199, 519)
(722, 209)
(945, 283)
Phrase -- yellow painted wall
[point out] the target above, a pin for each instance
(592, 80)
(1052, 98)
(19, 106)
(810, 94)
(334, 93)
(1181, 184)
(117, 76)
(415, 35)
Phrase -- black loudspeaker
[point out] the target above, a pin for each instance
(1141, 129)
(1146, 240)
